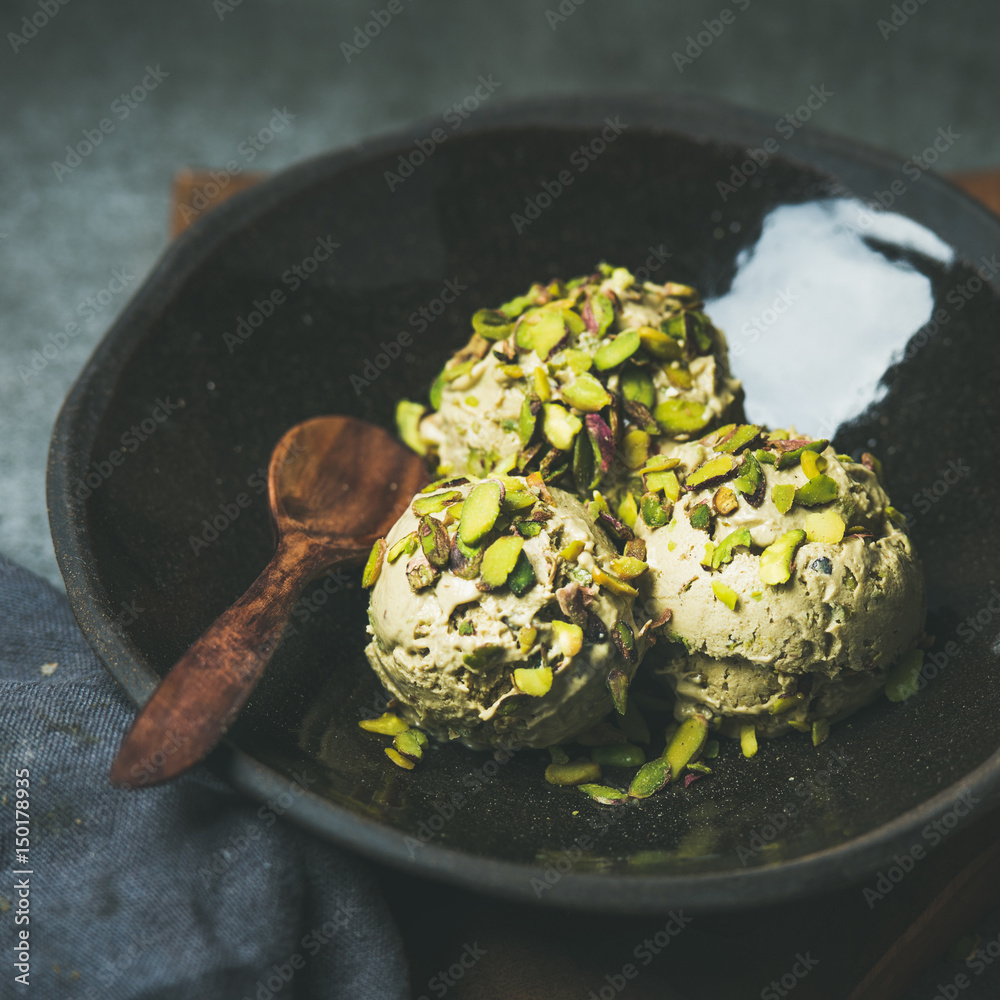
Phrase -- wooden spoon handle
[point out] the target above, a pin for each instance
(204, 691)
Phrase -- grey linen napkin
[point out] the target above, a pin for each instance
(186, 890)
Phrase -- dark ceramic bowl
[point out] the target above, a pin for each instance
(248, 325)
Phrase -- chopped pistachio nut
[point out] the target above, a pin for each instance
(387, 724)
(526, 637)
(748, 739)
(614, 352)
(637, 386)
(374, 565)
(543, 387)
(711, 749)
(822, 489)
(572, 551)
(466, 627)
(628, 510)
(665, 480)
(660, 345)
(613, 583)
(726, 594)
(629, 568)
(654, 513)
(635, 447)
(650, 779)
(480, 511)
(794, 457)
(776, 559)
(724, 550)
(659, 463)
(534, 681)
(408, 417)
(579, 772)
(586, 394)
(701, 516)
(783, 496)
(635, 548)
(526, 421)
(493, 324)
(820, 731)
(725, 501)
(678, 416)
(398, 759)
(411, 744)
(750, 481)
(604, 794)
(824, 526)
(781, 705)
(513, 372)
(686, 743)
(569, 637)
(560, 426)
(622, 755)
(738, 438)
(522, 577)
(711, 473)
(706, 559)
(624, 639)
(407, 545)
(435, 503)
(812, 464)
(500, 558)
(904, 677)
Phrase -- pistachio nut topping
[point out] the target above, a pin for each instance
(631, 355)
(487, 636)
(790, 606)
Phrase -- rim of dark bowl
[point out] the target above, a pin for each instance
(694, 117)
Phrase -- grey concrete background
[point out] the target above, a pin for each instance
(225, 64)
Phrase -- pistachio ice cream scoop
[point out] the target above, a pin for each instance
(552, 380)
(791, 583)
(496, 616)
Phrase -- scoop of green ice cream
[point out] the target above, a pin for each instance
(552, 380)
(791, 583)
(487, 624)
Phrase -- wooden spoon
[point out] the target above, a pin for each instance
(335, 485)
